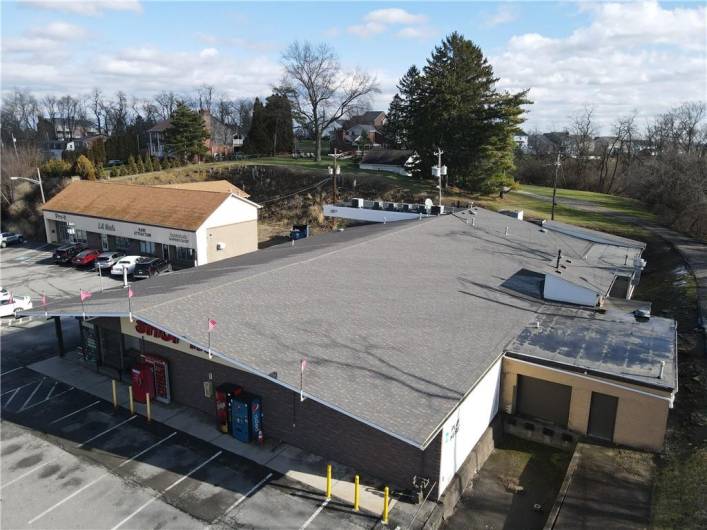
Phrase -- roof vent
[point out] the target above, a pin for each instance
(642, 314)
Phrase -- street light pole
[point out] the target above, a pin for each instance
(41, 188)
(439, 171)
(554, 187)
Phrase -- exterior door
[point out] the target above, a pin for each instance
(165, 252)
(602, 416)
(543, 400)
(104, 242)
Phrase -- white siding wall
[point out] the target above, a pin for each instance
(233, 210)
(467, 423)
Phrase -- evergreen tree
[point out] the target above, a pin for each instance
(394, 129)
(454, 104)
(132, 166)
(140, 165)
(84, 168)
(148, 163)
(186, 135)
(257, 141)
(278, 124)
(114, 172)
(156, 164)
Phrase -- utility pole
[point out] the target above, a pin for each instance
(554, 187)
(439, 171)
(334, 172)
(41, 189)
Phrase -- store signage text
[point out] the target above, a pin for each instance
(178, 238)
(60, 216)
(142, 232)
(146, 329)
(106, 226)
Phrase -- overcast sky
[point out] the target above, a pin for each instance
(615, 57)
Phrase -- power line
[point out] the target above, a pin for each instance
(295, 192)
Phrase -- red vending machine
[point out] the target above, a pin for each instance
(143, 381)
(223, 394)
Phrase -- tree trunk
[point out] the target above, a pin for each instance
(318, 148)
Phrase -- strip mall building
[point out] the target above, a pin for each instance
(186, 224)
(418, 336)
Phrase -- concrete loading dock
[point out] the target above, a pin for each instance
(404, 329)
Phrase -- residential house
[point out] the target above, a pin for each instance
(221, 142)
(521, 141)
(392, 160)
(369, 123)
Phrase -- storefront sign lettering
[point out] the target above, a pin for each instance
(178, 238)
(146, 329)
(106, 226)
(142, 232)
(60, 216)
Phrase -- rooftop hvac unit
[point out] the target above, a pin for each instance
(378, 205)
(392, 206)
(357, 203)
(406, 207)
(437, 210)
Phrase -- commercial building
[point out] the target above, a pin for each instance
(189, 224)
(415, 337)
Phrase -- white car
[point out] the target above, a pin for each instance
(10, 306)
(128, 263)
(4, 294)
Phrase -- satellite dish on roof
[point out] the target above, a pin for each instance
(428, 204)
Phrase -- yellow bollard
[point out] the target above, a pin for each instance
(149, 409)
(328, 481)
(386, 494)
(115, 394)
(130, 398)
(356, 486)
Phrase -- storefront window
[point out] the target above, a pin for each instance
(81, 235)
(122, 243)
(184, 254)
(147, 247)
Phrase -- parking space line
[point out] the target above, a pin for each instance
(45, 400)
(13, 370)
(18, 387)
(52, 390)
(24, 474)
(104, 475)
(107, 431)
(247, 494)
(75, 412)
(32, 394)
(153, 499)
(314, 515)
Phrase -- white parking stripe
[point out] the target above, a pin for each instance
(107, 431)
(75, 412)
(52, 390)
(18, 387)
(45, 400)
(104, 475)
(32, 394)
(247, 494)
(153, 499)
(13, 370)
(314, 515)
(24, 474)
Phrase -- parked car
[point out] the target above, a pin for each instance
(85, 257)
(4, 294)
(65, 253)
(127, 262)
(10, 238)
(13, 304)
(149, 267)
(106, 260)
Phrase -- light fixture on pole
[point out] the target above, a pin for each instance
(38, 181)
(439, 171)
(334, 172)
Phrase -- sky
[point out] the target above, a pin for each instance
(616, 58)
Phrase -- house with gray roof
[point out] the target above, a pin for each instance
(394, 348)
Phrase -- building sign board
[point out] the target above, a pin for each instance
(156, 234)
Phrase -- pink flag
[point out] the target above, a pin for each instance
(85, 295)
(303, 365)
(44, 299)
(212, 324)
(130, 292)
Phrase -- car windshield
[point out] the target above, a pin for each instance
(4, 234)
(125, 261)
(103, 258)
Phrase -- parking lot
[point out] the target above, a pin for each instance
(28, 269)
(71, 461)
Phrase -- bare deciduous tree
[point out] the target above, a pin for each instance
(320, 93)
(166, 103)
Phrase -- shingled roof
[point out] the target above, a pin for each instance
(183, 209)
(208, 185)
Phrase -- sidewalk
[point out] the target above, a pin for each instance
(283, 458)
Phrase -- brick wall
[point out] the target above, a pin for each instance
(308, 425)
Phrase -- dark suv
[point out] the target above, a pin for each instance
(65, 253)
(149, 267)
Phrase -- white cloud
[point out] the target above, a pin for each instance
(89, 8)
(503, 15)
(47, 38)
(235, 42)
(58, 31)
(207, 53)
(381, 21)
(394, 15)
(632, 56)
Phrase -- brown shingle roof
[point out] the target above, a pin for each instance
(208, 185)
(182, 209)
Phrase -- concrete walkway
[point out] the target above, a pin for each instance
(299, 465)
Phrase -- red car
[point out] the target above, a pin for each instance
(85, 258)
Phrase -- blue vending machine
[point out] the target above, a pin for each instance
(256, 416)
(240, 419)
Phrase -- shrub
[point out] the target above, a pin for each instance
(56, 168)
(84, 167)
